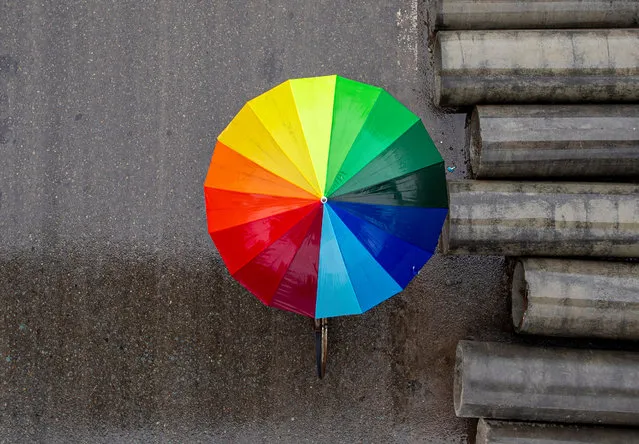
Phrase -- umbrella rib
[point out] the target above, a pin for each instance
(378, 226)
(308, 231)
(299, 118)
(345, 267)
(329, 187)
(387, 127)
(297, 167)
(417, 166)
(257, 253)
(367, 246)
(397, 188)
(229, 158)
(210, 209)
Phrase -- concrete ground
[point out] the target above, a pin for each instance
(118, 320)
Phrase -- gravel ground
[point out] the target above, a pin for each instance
(119, 322)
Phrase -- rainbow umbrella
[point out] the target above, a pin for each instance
(325, 196)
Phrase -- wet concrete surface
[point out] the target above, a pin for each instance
(119, 322)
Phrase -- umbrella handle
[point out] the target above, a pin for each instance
(321, 345)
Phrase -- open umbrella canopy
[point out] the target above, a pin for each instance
(325, 196)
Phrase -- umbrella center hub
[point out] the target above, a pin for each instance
(324, 199)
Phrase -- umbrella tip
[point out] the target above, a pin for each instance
(324, 199)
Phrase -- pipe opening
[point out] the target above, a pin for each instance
(519, 296)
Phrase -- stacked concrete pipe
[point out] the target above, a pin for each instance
(506, 381)
(542, 219)
(504, 432)
(561, 141)
(493, 55)
(576, 298)
(526, 66)
(519, 14)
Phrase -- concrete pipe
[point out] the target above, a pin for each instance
(554, 141)
(542, 219)
(506, 381)
(598, 65)
(518, 14)
(503, 432)
(561, 297)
